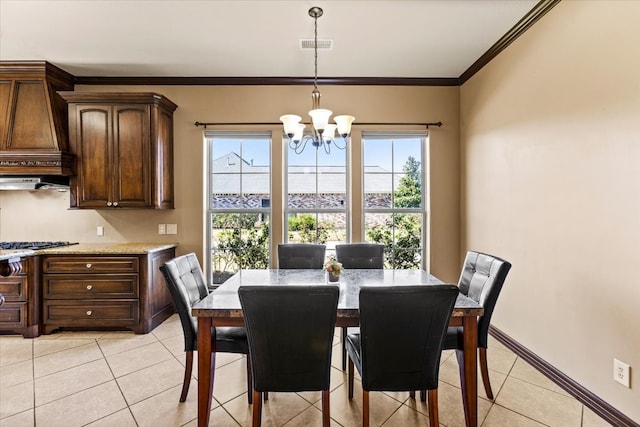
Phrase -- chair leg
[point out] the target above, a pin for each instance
(350, 375)
(344, 348)
(433, 408)
(484, 370)
(365, 408)
(326, 415)
(249, 381)
(257, 409)
(412, 394)
(423, 395)
(187, 376)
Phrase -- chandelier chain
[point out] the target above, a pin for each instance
(315, 51)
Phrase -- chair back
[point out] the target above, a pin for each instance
(402, 330)
(187, 285)
(301, 255)
(481, 279)
(361, 255)
(290, 330)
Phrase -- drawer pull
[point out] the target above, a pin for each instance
(89, 287)
(89, 265)
(115, 203)
(89, 312)
(1, 299)
(109, 203)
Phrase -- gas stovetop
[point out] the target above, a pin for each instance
(33, 245)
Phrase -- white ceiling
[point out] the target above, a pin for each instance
(255, 38)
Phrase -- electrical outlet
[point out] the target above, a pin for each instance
(162, 229)
(100, 230)
(172, 228)
(621, 372)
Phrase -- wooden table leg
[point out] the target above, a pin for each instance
(468, 363)
(206, 369)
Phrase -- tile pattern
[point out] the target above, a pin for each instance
(104, 379)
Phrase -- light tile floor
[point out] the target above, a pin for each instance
(121, 379)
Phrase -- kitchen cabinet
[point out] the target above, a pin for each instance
(123, 143)
(19, 311)
(105, 291)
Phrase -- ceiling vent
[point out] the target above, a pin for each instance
(306, 44)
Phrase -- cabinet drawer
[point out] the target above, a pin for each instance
(90, 286)
(60, 264)
(13, 315)
(14, 288)
(91, 313)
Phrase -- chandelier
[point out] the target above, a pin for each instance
(323, 133)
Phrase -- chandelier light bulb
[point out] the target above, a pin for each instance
(290, 123)
(344, 124)
(320, 118)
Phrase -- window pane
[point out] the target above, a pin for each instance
(240, 201)
(317, 185)
(239, 241)
(394, 182)
(378, 187)
(225, 189)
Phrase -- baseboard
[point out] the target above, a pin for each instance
(584, 396)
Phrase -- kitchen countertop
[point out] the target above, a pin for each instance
(106, 248)
(6, 254)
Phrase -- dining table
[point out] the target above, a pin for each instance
(222, 308)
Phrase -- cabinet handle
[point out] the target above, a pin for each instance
(89, 265)
(1, 299)
(115, 203)
(89, 312)
(109, 203)
(89, 287)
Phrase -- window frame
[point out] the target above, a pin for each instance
(423, 210)
(210, 136)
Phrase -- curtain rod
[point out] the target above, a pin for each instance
(205, 124)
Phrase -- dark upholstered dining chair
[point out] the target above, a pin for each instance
(300, 255)
(354, 256)
(185, 280)
(361, 255)
(400, 350)
(290, 330)
(481, 279)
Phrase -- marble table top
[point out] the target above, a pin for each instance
(224, 301)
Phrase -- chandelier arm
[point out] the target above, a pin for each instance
(335, 142)
(327, 147)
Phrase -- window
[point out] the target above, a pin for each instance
(394, 196)
(317, 202)
(239, 202)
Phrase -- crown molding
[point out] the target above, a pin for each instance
(538, 11)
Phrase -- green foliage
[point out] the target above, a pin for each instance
(409, 191)
(307, 231)
(302, 222)
(249, 246)
(242, 248)
(405, 251)
(233, 220)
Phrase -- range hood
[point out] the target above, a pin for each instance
(34, 120)
(60, 183)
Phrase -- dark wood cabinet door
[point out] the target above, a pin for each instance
(93, 153)
(131, 156)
